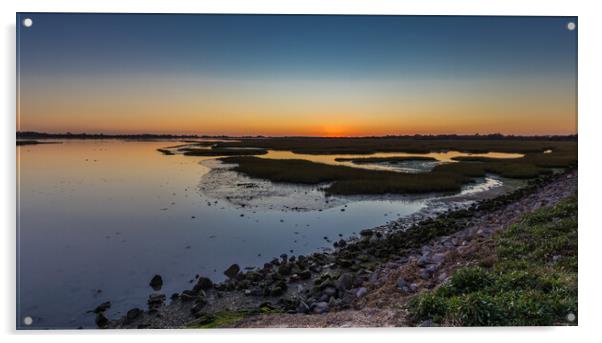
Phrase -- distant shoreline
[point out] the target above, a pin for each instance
(83, 135)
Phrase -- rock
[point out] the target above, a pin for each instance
(203, 283)
(133, 314)
(438, 258)
(403, 286)
(101, 321)
(278, 289)
(188, 295)
(232, 271)
(341, 243)
(361, 292)
(284, 269)
(197, 307)
(345, 263)
(204, 318)
(302, 307)
(304, 274)
(330, 291)
(345, 281)
(319, 307)
(102, 307)
(366, 233)
(332, 302)
(156, 300)
(425, 274)
(423, 261)
(156, 282)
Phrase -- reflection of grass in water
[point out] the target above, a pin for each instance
(393, 159)
(447, 177)
(531, 279)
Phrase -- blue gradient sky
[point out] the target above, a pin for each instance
(290, 75)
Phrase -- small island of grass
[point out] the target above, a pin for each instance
(34, 142)
(446, 177)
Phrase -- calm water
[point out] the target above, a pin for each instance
(97, 219)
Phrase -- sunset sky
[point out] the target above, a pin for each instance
(296, 75)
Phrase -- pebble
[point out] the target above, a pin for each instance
(361, 292)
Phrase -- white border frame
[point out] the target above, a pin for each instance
(590, 55)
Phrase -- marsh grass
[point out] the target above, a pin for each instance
(532, 282)
(345, 180)
(218, 320)
(407, 145)
(165, 152)
(446, 177)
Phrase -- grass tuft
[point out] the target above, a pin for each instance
(532, 282)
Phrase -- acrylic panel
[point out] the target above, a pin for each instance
(257, 171)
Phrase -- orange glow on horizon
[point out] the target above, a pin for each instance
(330, 109)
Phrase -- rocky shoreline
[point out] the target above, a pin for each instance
(363, 282)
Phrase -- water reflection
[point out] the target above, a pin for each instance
(98, 218)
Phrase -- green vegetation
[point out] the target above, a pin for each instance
(394, 159)
(407, 145)
(217, 320)
(226, 319)
(345, 180)
(447, 177)
(532, 282)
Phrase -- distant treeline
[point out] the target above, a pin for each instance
(495, 136)
(69, 135)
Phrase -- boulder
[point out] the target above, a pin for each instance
(330, 291)
(101, 321)
(423, 261)
(203, 283)
(302, 307)
(188, 295)
(155, 301)
(366, 233)
(132, 315)
(403, 286)
(319, 307)
(102, 307)
(304, 274)
(345, 281)
(232, 271)
(156, 282)
(198, 307)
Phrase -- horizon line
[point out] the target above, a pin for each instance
(497, 134)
